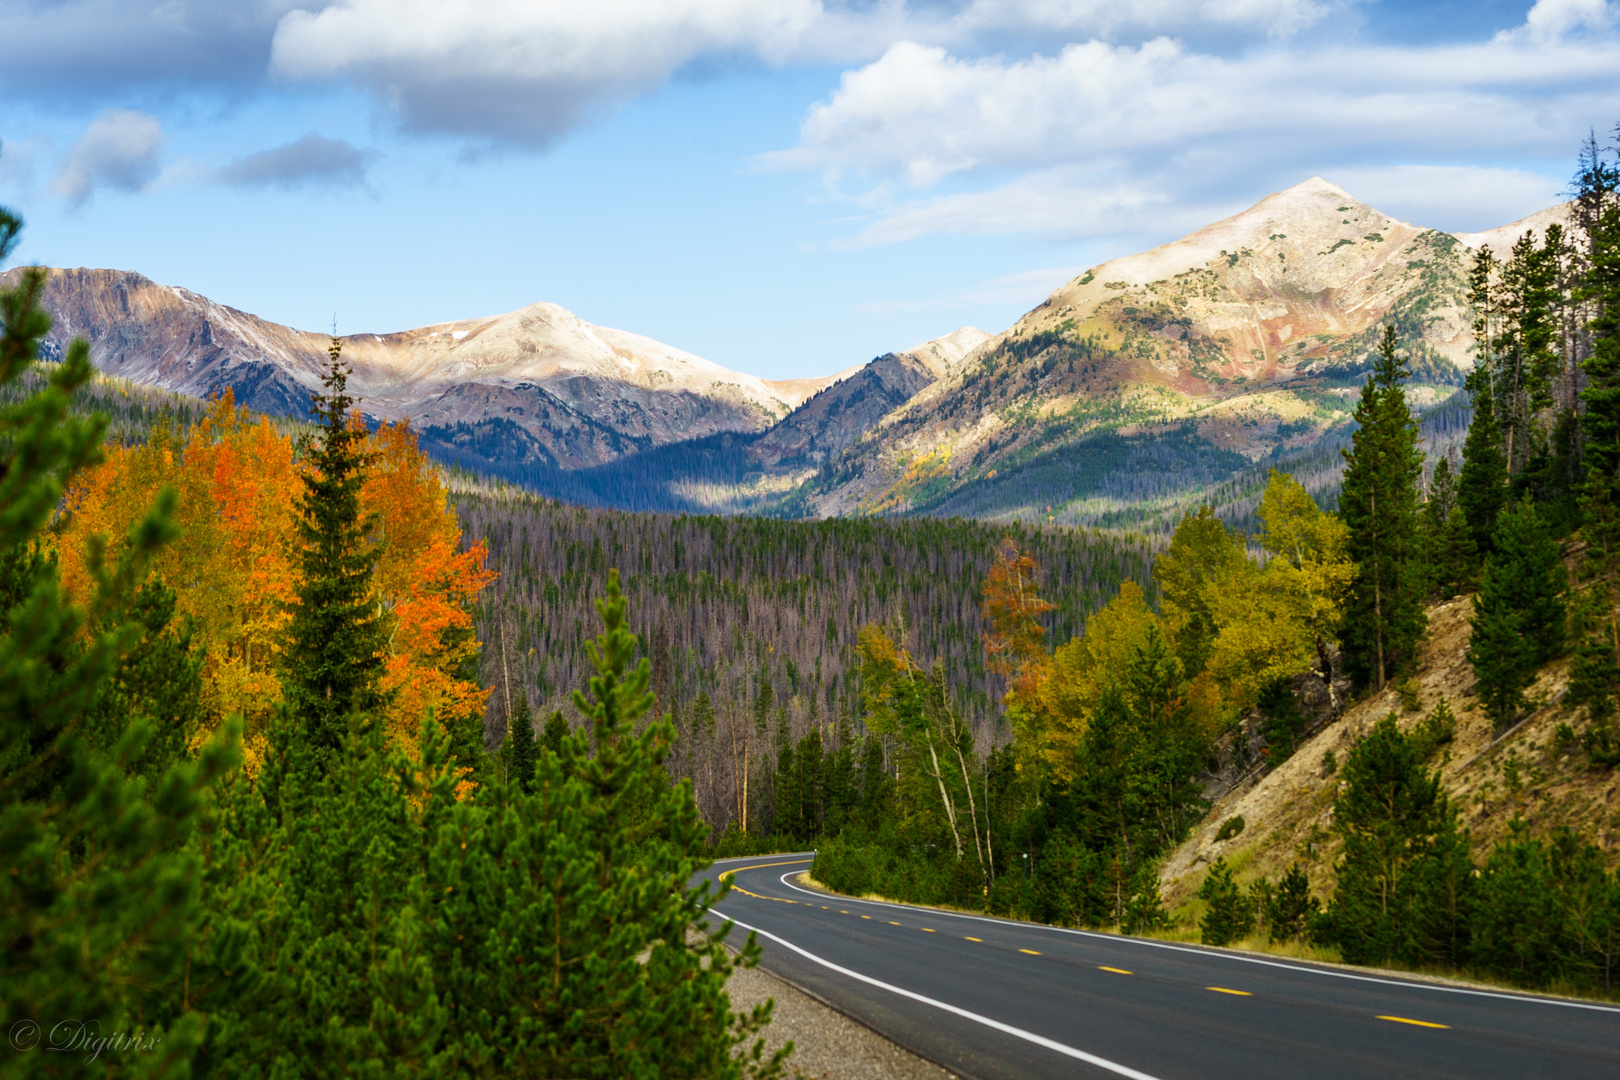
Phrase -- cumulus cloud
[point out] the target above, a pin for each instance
(526, 71)
(1102, 137)
(521, 71)
(511, 69)
(1551, 20)
(121, 149)
(313, 160)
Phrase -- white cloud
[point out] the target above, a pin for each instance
(120, 149)
(512, 69)
(1099, 137)
(81, 49)
(526, 72)
(1551, 20)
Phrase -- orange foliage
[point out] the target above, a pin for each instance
(234, 570)
(1011, 609)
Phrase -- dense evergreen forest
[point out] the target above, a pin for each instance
(753, 625)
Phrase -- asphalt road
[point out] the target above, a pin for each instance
(990, 999)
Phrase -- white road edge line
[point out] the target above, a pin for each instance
(1214, 955)
(1027, 1036)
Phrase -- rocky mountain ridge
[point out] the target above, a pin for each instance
(1150, 377)
(1131, 392)
(575, 394)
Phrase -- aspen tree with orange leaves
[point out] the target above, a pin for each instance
(235, 568)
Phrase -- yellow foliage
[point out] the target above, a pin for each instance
(1271, 621)
(1077, 675)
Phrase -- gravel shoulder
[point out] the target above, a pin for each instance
(827, 1045)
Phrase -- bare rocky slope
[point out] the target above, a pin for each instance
(569, 393)
(1151, 377)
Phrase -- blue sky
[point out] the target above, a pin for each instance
(783, 186)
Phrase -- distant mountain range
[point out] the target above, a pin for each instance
(1128, 393)
(574, 394)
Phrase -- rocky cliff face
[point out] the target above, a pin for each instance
(575, 394)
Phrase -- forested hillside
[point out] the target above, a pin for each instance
(761, 618)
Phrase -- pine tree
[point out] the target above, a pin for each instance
(334, 644)
(1230, 916)
(1400, 841)
(1518, 621)
(1384, 620)
(100, 898)
(1482, 481)
(1291, 908)
(1598, 209)
(557, 730)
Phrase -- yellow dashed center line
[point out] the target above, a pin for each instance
(1116, 971)
(1031, 952)
(1415, 1023)
(893, 923)
(980, 940)
(1224, 990)
(843, 913)
(866, 916)
(762, 866)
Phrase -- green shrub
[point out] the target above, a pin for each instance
(1291, 908)
(1231, 827)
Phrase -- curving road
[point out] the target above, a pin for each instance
(991, 999)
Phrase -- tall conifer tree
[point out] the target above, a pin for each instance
(1384, 619)
(1518, 622)
(334, 657)
(1598, 208)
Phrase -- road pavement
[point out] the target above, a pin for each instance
(992, 999)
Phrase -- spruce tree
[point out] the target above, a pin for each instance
(520, 733)
(1384, 619)
(1518, 621)
(556, 731)
(1230, 915)
(1482, 482)
(333, 659)
(1290, 909)
(1598, 203)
